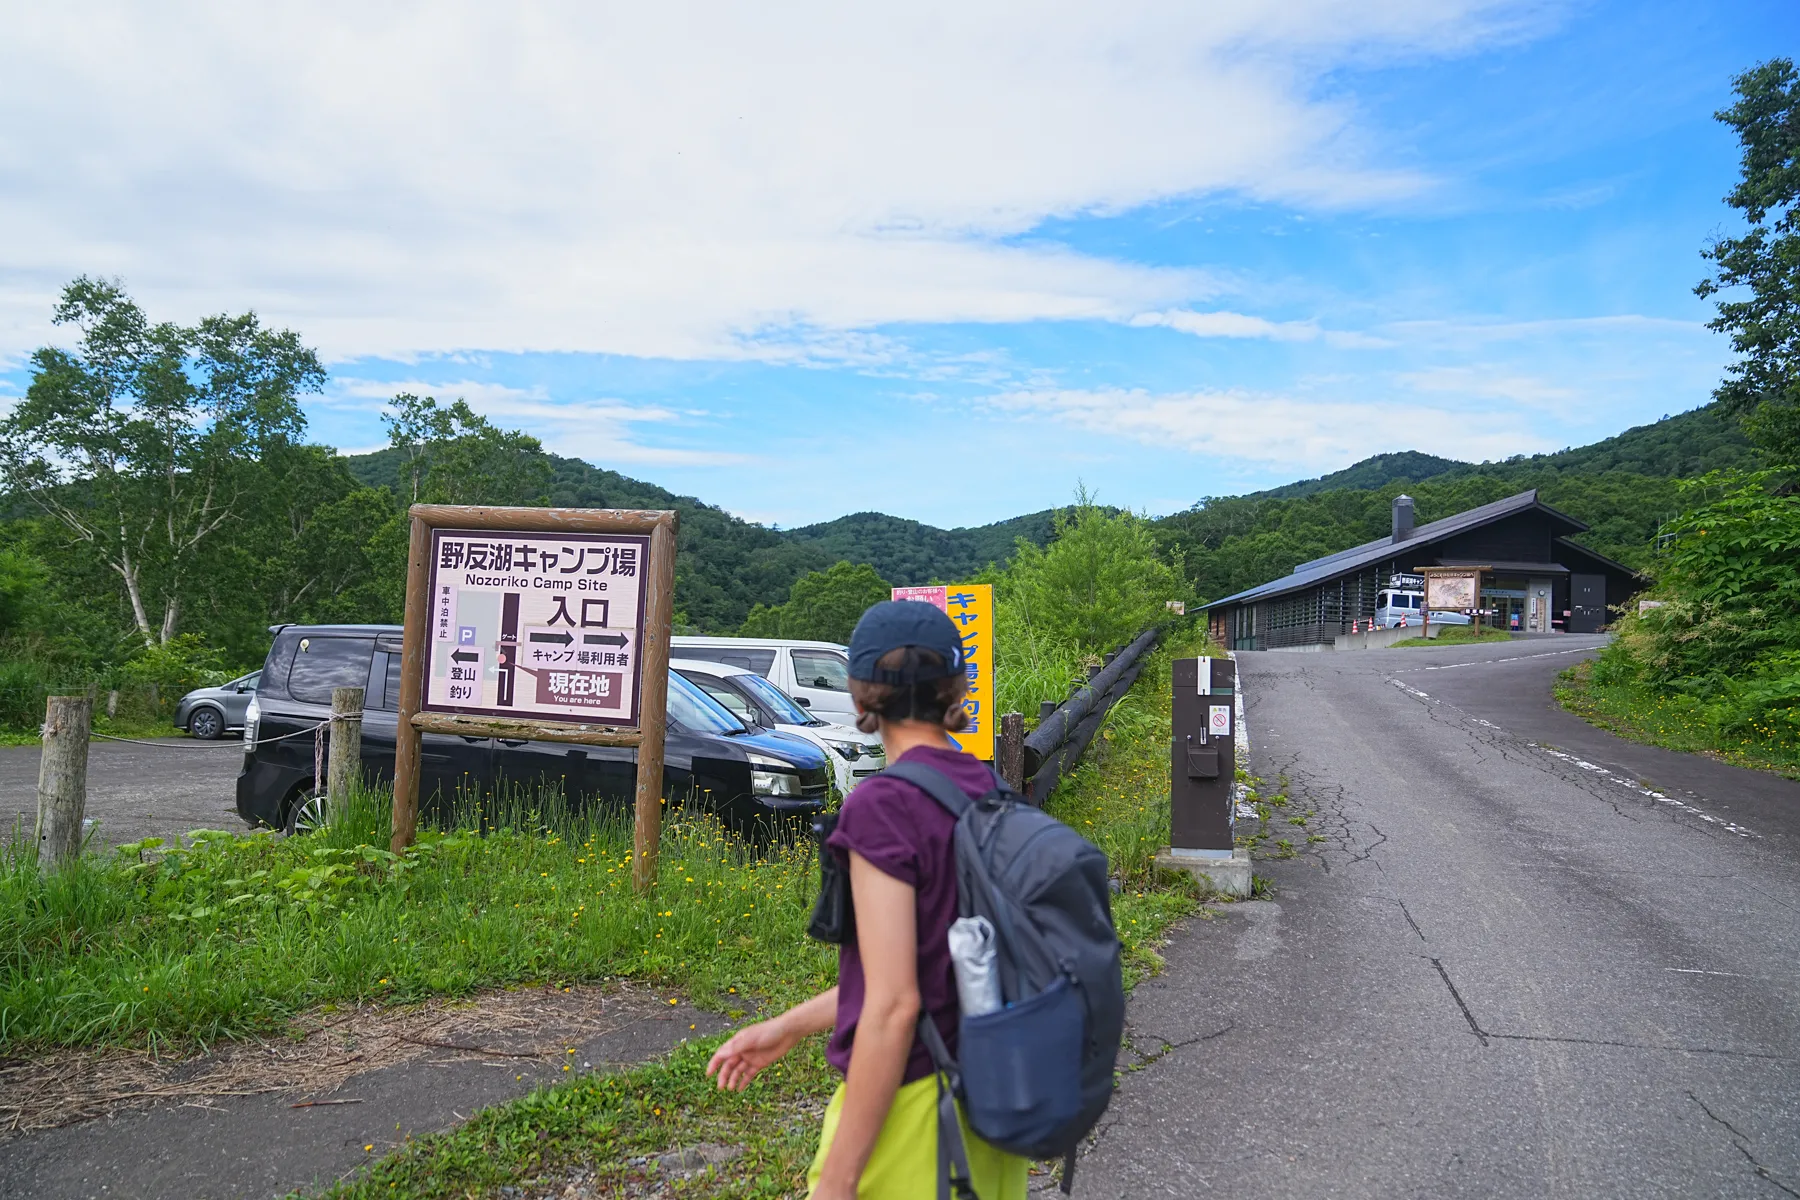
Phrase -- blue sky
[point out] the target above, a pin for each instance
(943, 262)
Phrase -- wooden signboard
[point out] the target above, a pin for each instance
(1452, 589)
(544, 623)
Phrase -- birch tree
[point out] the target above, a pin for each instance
(144, 442)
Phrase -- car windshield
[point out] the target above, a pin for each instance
(739, 707)
(697, 712)
(786, 711)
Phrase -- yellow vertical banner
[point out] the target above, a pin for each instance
(971, 606)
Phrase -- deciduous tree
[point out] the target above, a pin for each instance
(1764, 324)
(145, 441)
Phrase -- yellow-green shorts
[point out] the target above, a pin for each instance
(904, 1165)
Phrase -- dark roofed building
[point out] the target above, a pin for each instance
(1533, 578)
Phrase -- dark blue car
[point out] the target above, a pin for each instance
(754, 781)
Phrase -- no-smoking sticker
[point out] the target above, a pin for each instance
(1218, 719)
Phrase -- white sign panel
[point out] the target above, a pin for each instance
(539, 626)
(1204, 676)
(1218, 720)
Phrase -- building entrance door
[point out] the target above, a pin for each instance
(1505, 606)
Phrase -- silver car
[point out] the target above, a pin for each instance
(209, 712)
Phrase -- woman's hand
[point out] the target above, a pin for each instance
(749, 1050)
(746, 1052)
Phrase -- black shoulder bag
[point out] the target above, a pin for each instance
(833, 918)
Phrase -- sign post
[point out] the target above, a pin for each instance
(543, 623)
(971, 606)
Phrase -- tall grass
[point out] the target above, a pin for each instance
(224, 936)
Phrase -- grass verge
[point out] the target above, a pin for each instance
(222, 936)
(1672, 720)
(1458, 635)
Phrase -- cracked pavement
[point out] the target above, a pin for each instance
(1526, 959)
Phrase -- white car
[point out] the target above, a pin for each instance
(815, 674)
(1392, 605)
(854, 755)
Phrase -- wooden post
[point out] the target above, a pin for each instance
(62, 779)
(1010, 753)
(653, 657)
(345, 769)
(413, 648)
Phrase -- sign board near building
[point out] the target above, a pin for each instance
(1449, 591)
(545, 624)
(971, 606)
(536, 626)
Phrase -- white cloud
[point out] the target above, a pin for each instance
(1493, 384)
(1304, 435)
(1230, 325)
(596, 430)
(664, 179)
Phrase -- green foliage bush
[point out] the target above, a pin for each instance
(177, 666)
(1728, 631)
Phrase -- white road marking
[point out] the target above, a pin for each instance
(1513, 658)
(1698, 971)
(1641, 790)
(1595, 768)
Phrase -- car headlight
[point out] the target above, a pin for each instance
(848, 751)
(773, 777)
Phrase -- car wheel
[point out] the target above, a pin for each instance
(206, 724)
(306, 815)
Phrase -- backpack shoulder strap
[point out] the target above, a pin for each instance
(933, 783)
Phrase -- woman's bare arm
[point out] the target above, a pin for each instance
(887, 940)
(750, 1049)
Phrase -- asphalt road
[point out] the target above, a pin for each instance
(136, 791)
(1527, 959)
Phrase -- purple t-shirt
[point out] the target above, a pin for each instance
(906, 834)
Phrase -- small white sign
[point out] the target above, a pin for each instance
(1205, 675)
(1218, 720)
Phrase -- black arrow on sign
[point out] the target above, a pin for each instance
(464, 656)
(597, 639)
(564, 638)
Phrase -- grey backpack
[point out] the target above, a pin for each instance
(1034, 1076)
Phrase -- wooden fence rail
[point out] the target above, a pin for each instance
(1064, 730)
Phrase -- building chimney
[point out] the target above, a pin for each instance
(1403, 517)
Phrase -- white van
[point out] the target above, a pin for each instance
(1393, 603)
(853, 754)
(815, 674)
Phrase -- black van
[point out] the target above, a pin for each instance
(751, 779)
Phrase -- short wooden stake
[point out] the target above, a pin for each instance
(344, 768)
(62, 779)
(1009, 754)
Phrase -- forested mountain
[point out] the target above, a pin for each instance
(1372, 472)
(724, 565)
(1622, 487)
(1685, 445)
(909, 552)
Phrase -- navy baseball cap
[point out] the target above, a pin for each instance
(895, 624)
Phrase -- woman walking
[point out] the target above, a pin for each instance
(879, 1141)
